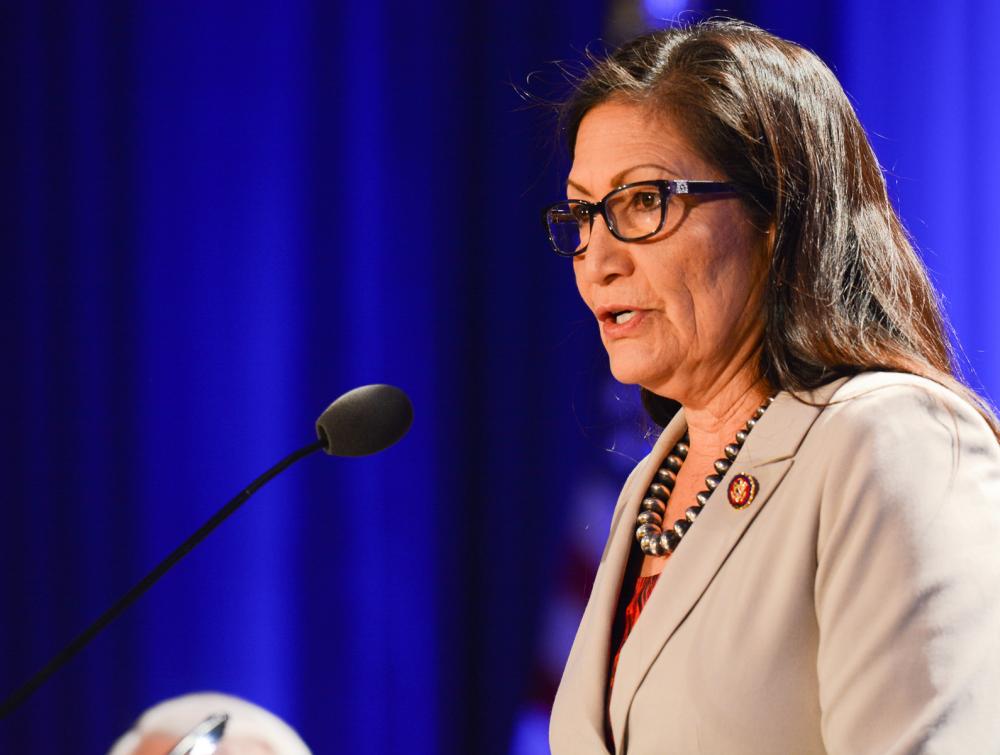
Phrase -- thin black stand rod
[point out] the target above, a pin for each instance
(21, 694)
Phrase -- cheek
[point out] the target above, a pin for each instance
(711, 287)
(740, 272)
(736, 250)
(679, 288)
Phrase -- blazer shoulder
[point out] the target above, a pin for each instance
(896, 440)
(904, 477)
(903, 406)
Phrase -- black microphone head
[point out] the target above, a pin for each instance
(365, 421)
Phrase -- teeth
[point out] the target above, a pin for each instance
(623, 317)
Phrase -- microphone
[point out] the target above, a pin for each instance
(362, 422)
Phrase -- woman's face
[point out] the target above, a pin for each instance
(694, 288)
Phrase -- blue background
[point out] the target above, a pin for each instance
(219, 216)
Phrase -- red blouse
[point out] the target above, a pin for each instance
(640, 594)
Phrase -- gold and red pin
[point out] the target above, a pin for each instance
(742, 490)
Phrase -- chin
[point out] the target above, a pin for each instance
(631, 374)
(635, 369)
(641, 362)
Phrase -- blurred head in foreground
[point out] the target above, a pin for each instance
(251, 730)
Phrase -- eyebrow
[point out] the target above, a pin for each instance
(619, 178)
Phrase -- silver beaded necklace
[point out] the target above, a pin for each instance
(653, 539)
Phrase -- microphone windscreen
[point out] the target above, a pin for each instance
(365, 421)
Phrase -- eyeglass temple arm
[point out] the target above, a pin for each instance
(701, 187)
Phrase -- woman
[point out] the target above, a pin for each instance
(807, 561)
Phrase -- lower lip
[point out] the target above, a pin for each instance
(611, 329)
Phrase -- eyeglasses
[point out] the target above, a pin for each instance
(632, 212)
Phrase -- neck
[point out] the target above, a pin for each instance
(714, 419)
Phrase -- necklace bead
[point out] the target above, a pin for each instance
(666, 478)
(653, 539)
(646, 531)
(650, 517)
(668, 541)
(658, 490)
(655, 505)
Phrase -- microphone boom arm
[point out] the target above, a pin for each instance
(20, 695)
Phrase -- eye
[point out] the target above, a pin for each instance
(645, 200)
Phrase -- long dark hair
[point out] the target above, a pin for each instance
(846, 291)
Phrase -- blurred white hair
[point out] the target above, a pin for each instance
(179, 715)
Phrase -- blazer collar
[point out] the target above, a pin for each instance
(767, 455)
(585, 677)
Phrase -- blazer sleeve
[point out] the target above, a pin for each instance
(907, 591)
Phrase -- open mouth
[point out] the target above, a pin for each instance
(620, 318)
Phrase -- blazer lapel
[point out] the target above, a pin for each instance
(767, 456)
(585, 677)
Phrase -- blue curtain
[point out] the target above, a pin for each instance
(217, 217)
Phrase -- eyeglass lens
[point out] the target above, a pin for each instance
(634, 212)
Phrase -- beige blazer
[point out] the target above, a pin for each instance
(853, 607)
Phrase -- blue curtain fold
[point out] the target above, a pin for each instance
(218, 217)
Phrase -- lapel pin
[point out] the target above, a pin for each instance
(742, 491)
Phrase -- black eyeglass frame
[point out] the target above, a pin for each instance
(666, 189)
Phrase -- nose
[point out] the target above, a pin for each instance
(605, 258)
